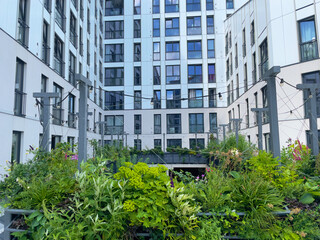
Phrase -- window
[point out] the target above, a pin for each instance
(156, 51)
(114, 76)
(113, 53)
(114, 7)
(47, 5)
(137, 99)
(309, 139)
(73, 30)
(114, 100)
(137, 76)
(57, 111)
(265, 117)
(137, 28)
(194, 73)
(193, 5)
(16, 147)
(211, 48)
(157, 143)
(194, 49)
(45, 43)
(173, 123)
(264, 65)
(58, 63)
(267, 140)
(210, 25)
(19, 95)
(244, 45)
(137, 52)
(113, 30)
(55, 139)
(254, 68)
(75, 3)
(194, 25)
(137, 124)
(71, 141)
(212, 97)
(252, 33)
(88, 52)
(236, 56)
(172, 27)
(172, 50)
(137, 7)
(80, 42)
(173, 99)
(157, 123)
(314, 78)
(156, 75)
(137, 144)
(114, 124)
(155, 6)
(229, 4)
(195, 98)
(156, 27)
(23, 28)
(245, 77)
(209, 4)
(256, 106)
(60, 18)
(71, 112)
(196, 143)
(156, 99)
(173, 74)
(172, 6)
(196, 123)
(308, 40)
(88, 21)
(174, 143)
(72, 69)
(211, 73)
(213, 121)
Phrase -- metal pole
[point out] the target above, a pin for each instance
(46, 117)
(236, 122)
(83, 115)
(269, 76)
(224, 130)
(259, 111)
(312, 115)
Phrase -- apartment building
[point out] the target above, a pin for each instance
(260, 35)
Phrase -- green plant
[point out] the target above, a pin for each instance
(209, 229)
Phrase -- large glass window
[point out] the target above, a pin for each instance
(156, 99)
(264, 65)
(195, 98)
(113, 53)
(156, 51)
(212, 97)
(113, 7)
(172, 6)
(265, 116)
(194, 25)
(172, 50)
(157, 123)
(137, 76)
(137, 52)
(71, 111)
(173, 98)
(210, 25)
(137, 28)
(196, 123)
(72, 69)
(137, 144)
(114, 100)
(156, 27)
(45, 43)
(311, 78)
(174, 143)
(173, 74)
(137, 7)
(57, 111)
(157, 143)
(193, 5)
(213, 121)
(194, 73)
(137, 100)
(16, 147)
(308, 40)
(229, 4)
(60, 18)
(196, 143)
(156, 75)
(210, 48)
(113, 29)
(114, 76)
(58, 63)
(194, 49)
(114, 124)
(209, 4)
(211, 73)
(172, 27)
(137, 124)
(156, 6)
(73, 30)
(173, 123)
(19, 95)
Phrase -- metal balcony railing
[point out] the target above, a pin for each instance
(23, 33)
(263, 68)
(72, 117)
(45, 54)
(309, 50)
(254, 75)
(58, 66)
(20, 103)
(57, 115)
(60, 19)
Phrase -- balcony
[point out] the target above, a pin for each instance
(212, 103)
(254, 76)
(72, 77)
(114, 130)
(113, 57)
(74, 38)
(309, 50)
(60, 19)
(195, 103)
(45, 54)
(20, 103)
(58, 66)
(114, 11)
(23, 33)
(72, 117)
(263, 68)
(57, 115)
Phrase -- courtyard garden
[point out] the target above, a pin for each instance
(242, 194)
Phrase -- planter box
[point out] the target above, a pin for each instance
(8, 218)
(171, 158)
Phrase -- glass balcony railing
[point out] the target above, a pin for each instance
(309, 50)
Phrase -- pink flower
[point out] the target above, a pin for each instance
(208, 169)
(299, 144)
(65, 156)
(74, 157)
